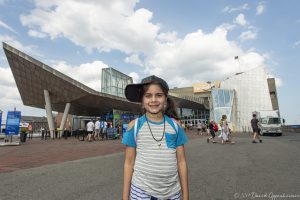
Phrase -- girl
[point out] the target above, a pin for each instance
(224, 129)
(155, 165)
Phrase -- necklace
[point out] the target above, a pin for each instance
(157, 140)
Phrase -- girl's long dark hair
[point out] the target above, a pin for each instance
(171, 108)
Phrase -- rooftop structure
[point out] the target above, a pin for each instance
(41, 86)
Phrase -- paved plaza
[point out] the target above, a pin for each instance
(72, 169)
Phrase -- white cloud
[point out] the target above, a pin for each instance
(167, 37)
(230, 9)
(135, 77)
(10, 97)
(240, 19)
(29, 49)
(116, 25)
(107, 24)
(4, 25)
(279, 82)
(248, 35)
(227, 27)
(7, 79)
(88, 73)
(199, 57)
(37, 34)
(134, 59)
(260, 8)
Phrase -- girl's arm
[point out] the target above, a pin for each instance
(128, 170)
(183, 172)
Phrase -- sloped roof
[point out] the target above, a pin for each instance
(33, 76)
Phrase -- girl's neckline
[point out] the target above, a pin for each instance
(155, 122)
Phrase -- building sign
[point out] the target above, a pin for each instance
(13, 123)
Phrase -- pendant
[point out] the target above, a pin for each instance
(159, 145)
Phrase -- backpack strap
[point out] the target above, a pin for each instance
(175, 125)
(135, 128)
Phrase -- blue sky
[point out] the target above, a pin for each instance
(182, 41)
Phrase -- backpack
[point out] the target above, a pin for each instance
(175, 125)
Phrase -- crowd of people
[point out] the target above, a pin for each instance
(222, 130)
(96, 130)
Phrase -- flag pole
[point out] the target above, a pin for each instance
(237, 58)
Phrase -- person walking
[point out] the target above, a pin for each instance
(212, 132)
(90, 129)
(30, 131)
(199, 127)
(43, 132)
(105, 126)
(216, 127)
(224, 129)
(255, 128)
(155, 166)
(97, 129)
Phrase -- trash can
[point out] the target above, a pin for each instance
(23, 136)
(66, 134)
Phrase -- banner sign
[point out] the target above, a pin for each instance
(13, 123)
(116, 116)
(111, 132)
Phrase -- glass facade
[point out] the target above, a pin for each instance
(222, 104)
(114, 82)
(186, 113)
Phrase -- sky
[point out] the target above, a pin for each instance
(184, 42)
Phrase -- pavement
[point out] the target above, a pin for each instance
(37, 152)
(73, 169)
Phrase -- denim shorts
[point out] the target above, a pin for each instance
(140, 194)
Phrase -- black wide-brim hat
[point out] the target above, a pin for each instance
(133, 92)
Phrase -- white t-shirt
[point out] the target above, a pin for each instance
(97, 125)
(90, 126)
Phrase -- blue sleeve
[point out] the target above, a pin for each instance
(128, 138)
(181, 139)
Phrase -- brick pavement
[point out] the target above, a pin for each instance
(37, 152)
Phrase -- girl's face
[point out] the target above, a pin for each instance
(154, 99)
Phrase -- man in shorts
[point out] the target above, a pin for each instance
(90, 130)
(255, 128)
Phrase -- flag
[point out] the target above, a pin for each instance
(236, 57)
